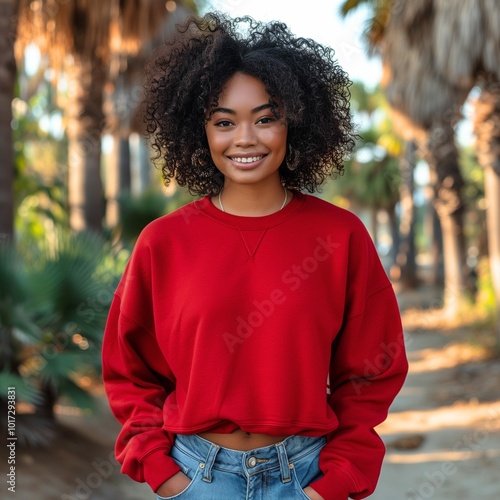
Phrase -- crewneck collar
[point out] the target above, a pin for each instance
(206, 206)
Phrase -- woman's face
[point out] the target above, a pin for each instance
(247, 142)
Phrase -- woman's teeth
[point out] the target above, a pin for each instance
(247, 160)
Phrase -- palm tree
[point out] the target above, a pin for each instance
(123, 118)
(487, 130)
(433, 56)
(8, 19)
(432, 104)
(462, 47)
(85, 39)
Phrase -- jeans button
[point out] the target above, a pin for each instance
(252, 462)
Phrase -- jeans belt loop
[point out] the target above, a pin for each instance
(284, 465)
(209, 463)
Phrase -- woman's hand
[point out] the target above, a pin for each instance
(312, 494)
(174, 485)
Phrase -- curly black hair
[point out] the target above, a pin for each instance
(188, 72)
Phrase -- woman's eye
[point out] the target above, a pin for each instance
(223, 123)
(266, 119)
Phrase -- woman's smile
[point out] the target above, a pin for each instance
(246, 159)
(247, 162)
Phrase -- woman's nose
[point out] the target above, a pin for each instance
(245, 135)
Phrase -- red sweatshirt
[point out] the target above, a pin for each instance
(281, 324)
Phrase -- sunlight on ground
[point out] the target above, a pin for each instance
(446, 357)
(440, 456)
(456, 416)
(436, 318)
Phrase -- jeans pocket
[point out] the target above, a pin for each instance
(306, 469)
(187, 492)
(299, 487)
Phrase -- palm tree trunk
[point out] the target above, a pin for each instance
(395, 236)
(8, 29)
(442, 156)
(118, 178)
(406, 269)
(144, 164)
(492, 191)
(437, 250)
(85, 125)
(487, 130)
(124, 165)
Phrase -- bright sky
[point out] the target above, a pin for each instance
(317, 19)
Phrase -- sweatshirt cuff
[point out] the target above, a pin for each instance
(336, 486)
(158, 466)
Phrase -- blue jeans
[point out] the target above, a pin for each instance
(275, 472)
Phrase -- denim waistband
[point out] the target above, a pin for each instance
(282, 454)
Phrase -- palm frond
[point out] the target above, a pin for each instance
(348, 6)
(25, 391)
(69, 390)
(58, 367)
(14, 294)
(69, 284)
(104, 29)
(34, 430)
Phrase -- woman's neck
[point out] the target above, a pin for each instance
(250, 201)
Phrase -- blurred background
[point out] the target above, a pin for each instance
(77, 187)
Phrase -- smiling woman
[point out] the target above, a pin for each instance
(247, 139)
(237, 345)
(303, 86)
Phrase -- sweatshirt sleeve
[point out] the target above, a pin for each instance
(367, 370)
(136, 377)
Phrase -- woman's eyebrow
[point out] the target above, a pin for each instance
(233, 112)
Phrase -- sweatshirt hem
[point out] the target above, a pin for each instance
(297, 428)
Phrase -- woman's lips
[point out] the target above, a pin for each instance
(245, 162)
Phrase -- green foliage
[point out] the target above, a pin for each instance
(66, 275)
(14, 288)
(40, 149)
(75, 394)
(54, 299)
(136, 212)
(24, 390)
(364, 101)
(473, 193)
(373, 184)
(483, 314)
(473, 176)
(372, 175)
(485, 297)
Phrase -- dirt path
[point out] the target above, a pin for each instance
(443, 432)
(442, 436)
